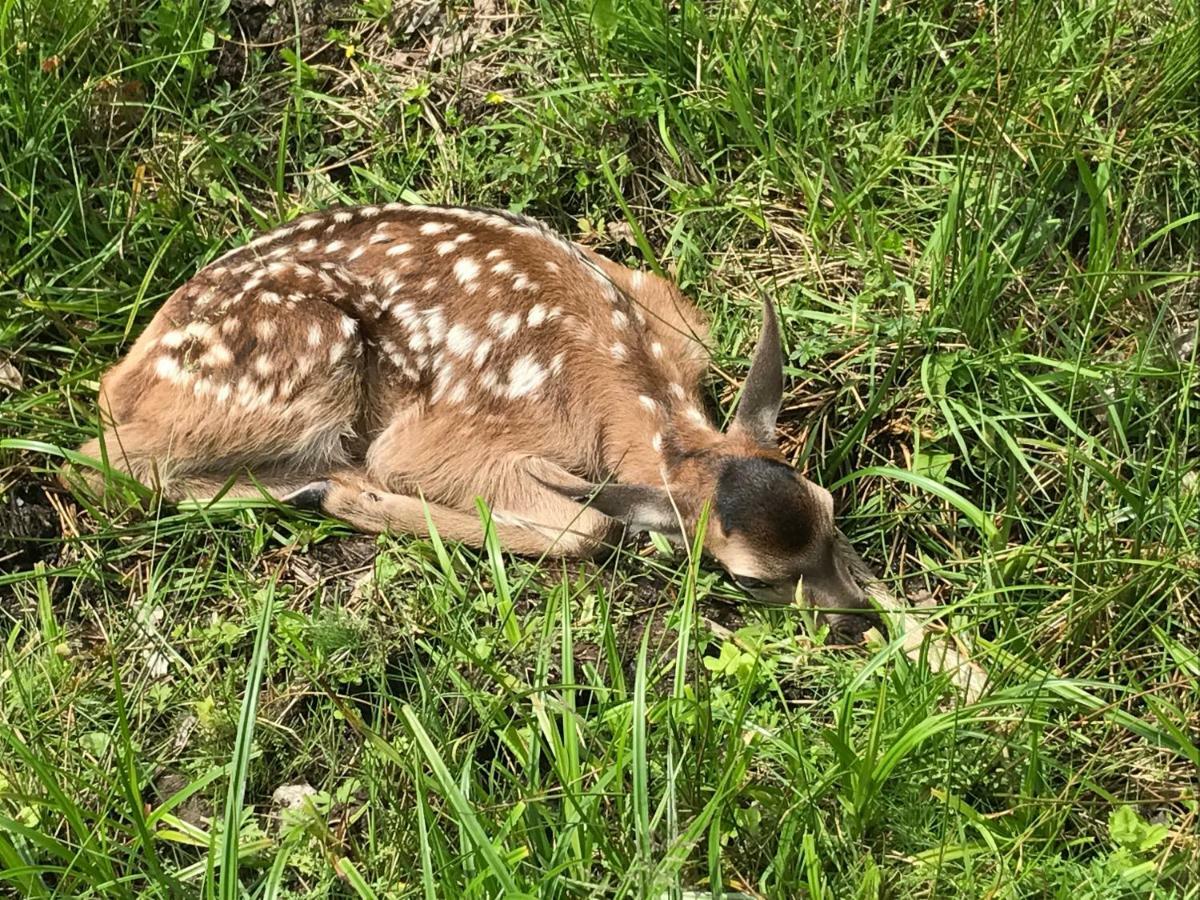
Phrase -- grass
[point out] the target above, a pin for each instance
(981, 223)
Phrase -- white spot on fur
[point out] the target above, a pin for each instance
(637, 278)
(524, 377)
(217, 355)
(445, 373)
(618, 351)
(435, 324)
(648, 402)
(315, 337)
(310, 224)
(334, 246)
(505, 325)
(657, 349)
(230, 325)
(521, 283)
(308, 246)
(444, 247)
(696, 416)
(263, 365)
(557, 363)
(656, 442)
(349, 326)
(458, 394)
(265, 329)
(172, 339)
(269, 297)
(343, 217)
(552, 267)
(464, 237)
(398, 249)
(167, 367)
(429, 284)
(277, 235)
(619, 319)
(199, 330)
(481, 352)
(537, 315)
(501, 267)
(404, 312)
(492, 254)
(460, 340)
(465, 271)
(676, 390)
(356, 253)
(435, 227)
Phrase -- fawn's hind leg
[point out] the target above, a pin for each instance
(261, 386)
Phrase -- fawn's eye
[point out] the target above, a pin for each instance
(749, 584)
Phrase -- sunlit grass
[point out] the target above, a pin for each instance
(981, 224)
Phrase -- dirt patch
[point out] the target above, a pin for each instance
(29, 527)
(195, 810)
(259, 24)
(418, 35)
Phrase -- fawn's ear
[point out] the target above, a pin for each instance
(824, 498)
(762, 394)
(640, 506)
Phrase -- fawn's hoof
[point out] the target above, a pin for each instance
(311, 496)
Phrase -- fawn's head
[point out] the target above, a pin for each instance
(769, 526)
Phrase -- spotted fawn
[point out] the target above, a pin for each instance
(390, 364)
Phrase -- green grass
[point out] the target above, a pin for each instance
(982, 225)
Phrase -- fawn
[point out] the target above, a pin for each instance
(385, 364)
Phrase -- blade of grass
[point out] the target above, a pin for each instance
(229, 886)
